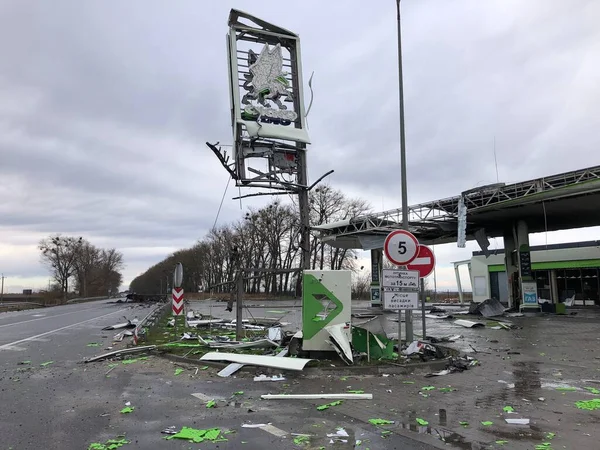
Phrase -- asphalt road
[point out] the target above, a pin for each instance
(68, 404)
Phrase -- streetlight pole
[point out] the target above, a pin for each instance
(2, 290)
(409, 325)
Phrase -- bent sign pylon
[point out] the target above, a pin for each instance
(177, 301)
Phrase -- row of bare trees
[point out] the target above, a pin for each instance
(267, 237)
(77, 265)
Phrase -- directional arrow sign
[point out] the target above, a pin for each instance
(424, 262)
(177, 301)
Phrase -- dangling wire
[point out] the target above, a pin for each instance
(221, 205)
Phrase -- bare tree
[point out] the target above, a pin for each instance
(60, 255)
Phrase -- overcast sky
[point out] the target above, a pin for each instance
(105, 107)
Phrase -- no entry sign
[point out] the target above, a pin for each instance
(424, 262)
(401, 247)
(177, 301)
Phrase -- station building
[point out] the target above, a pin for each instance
(564, 273)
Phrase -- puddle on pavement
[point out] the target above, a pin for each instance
(452, 438)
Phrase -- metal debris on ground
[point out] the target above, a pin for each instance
(198, 436)
(342, 396)
(488, 308)
(263, 377)
(258, 360)
(517, 421)
(328, 405)
(129, 324)
(590, 405)
(468, 323)
(110, 444)
(378, 422)
(124, 351)
(339, 338)
(437, 340)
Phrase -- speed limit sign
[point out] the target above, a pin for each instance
(401, 247)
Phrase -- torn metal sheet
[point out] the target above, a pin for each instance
(489, 308)
(340, 340)
(261, 343)
(121, 352)
(275, 334)
(277, 362)
(343, 396)
(195, 323)
(232, 368)
(128, 324)
(517, 421)
(468, 323)
(440, 316)
(271, 378)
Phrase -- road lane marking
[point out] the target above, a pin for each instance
(11, 344)
(46, 317)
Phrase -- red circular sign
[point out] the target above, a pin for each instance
(424, 262)
(401, 247)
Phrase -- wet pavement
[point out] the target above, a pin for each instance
(539, 369)
(50, 399)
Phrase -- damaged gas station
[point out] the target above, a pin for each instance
(484, 375)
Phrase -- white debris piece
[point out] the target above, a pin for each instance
(517, 421)
(263, 377)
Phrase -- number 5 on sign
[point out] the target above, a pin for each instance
(401, 247)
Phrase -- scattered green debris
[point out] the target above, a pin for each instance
(238, 393)
(93, 344)
(428, 388)
(127, 409)
(327, 405)
(593, 390)
(204, 368)
(487, 423)
(408, 382)
(385, 433)
(178, 371)
(211, 404)
(542, 354)
(197, 436)
(358, 391)
(129, 361)
(47, 363)
(343, 378)
(501, 442)
(24, 362)
(110, 366)
(463, 424)
(378, 422)
(566, 389)
(508, 409)
(302, 439)
(544, 446)
(446, 389)
(550, 436)
(111, 444)
(590, 405)
(422, 422)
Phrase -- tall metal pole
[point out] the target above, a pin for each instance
(2, 291)
(304, 208)
(408, 317)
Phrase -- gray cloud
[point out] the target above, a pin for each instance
(105, 108)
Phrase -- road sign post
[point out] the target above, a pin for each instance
(401, 248)
(424, 263)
